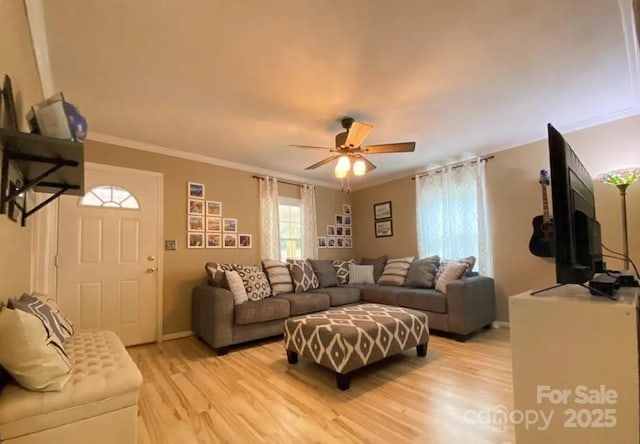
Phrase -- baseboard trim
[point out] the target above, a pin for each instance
(500, 324)
(177, 335)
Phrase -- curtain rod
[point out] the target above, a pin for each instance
(457, 165)
(280, 181)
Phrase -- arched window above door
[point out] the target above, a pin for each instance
(110, 196)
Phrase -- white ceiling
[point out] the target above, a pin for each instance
(240, 80)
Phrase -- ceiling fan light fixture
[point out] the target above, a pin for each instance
(359, 167)
(344, 163)
(339, 172)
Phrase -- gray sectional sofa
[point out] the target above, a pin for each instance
(467, 306)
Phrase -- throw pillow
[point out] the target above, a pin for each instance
(237, 287)
(450, 272)
(468, 261)
(67, 326)
(422, 273)
(52, 317)
(31, 353)
(378, 265)
(361, 274)
(342, 270)
(255, 282)
(395, 271)
(327, 276)
(304, 278)
(215, 273)
(278, 275)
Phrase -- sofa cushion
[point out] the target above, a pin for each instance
(327, 276)
(278, 275)
(395, 271)
(361, 274)
(378, 265)
(450, 272)
(341, 295)
(303, 303)
(215, 273)
(423, 299)
(237, 287)
(380, 294)
(255, 282)
(304, 279)
(50, 316)
(269, 309)
(422, 273)
(342, 270)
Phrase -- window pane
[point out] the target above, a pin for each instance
(285, 231)
(284, 213)
(295, 231)
(109, 196)
(297, 245)
(91, 200)
(295, 214)
(104, 193)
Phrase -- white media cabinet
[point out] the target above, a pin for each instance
(575, 356)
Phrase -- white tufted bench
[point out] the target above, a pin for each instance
(98, 405)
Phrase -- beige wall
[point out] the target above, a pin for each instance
(402, 194)
(239, 194)
(18, 61)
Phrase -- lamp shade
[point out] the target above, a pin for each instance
(339, 172)
(344, 163)
(359, 167)
(621, 176)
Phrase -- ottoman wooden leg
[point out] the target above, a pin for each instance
(422, 349)
(292, 357)
(343, 381)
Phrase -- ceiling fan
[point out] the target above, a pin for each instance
(349, 149)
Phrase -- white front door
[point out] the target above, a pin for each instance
(108, 246)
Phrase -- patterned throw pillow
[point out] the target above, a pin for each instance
(68, 329)
(342, 270)
(395, 271)
(361, 274)
(255, 282)
(304, 278)
(51, 316)
(278, 274)
(468, 261)
(422, 273)
(215, 273)
(450, 272)
(237, 287)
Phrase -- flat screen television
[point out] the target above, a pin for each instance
(578, 248)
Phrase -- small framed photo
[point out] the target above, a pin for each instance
(230, 225)
(214, 224)
(170, 245)
(331, 230)
(346, 208)
(196, 190)
(331, 242)
(347, 232)
(348, 243)
(214, 208)
(382, 210)
(346, 219)
(244, 241)
(214, 240)
(339, 242)
(195, 240)
(195, 206)
(322, 242)
(195, 223)
(339, 231)
(338, 220)
(384, 228)
(230, 240)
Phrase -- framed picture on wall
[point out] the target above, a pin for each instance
(195, 206)
(339, 242)
(214, 240)
(347, 232)
(347, 242)
(195, 223)
(230, 225)
(331, 230)
(214, 224)
(230, 240)
(322, 242)
(331, 242)
(384, 228)
(346, 208)
(196, 190)
(195, 240)
(244, 241)
(382, 210)
(339, 231)
(346, 219)
(338, 220)
(214, 208)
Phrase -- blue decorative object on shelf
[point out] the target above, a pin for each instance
(77, 123)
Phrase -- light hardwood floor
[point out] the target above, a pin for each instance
(252, 394)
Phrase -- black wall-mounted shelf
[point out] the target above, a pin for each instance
(47, 165)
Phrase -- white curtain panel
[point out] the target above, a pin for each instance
(309, 227)
(269, 216)
(452, 217)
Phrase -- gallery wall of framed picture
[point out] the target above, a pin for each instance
(207, 227)
(340, 233)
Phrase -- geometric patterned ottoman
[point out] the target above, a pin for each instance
(347, 338)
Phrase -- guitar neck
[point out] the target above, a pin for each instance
(545, 205)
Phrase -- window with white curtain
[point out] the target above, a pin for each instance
(290, 228)
(452, 215)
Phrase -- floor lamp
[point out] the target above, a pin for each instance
(622, 178)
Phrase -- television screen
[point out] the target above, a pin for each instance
(578, 247)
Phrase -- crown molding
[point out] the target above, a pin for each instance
(172, 152)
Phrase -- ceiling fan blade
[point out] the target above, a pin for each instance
(357, 133)
(405, 147)
(370, 165)
(322, 162)
(311, 147)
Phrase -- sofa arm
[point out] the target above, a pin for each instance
(212, 315)
(471, 304)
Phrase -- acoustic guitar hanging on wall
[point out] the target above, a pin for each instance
(542, 243)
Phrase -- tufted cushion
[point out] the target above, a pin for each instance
(103, 379)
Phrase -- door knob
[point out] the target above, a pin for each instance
(151, 258)
(152, 270)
